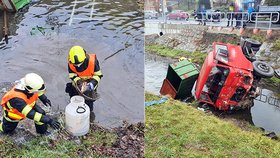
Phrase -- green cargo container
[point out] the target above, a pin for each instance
(182, 76)
(20, 3)
(14, 5)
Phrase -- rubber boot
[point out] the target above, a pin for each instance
(91, 116)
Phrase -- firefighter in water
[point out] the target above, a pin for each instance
(83, 67)
(20, 102)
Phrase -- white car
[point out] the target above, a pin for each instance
(151, 14)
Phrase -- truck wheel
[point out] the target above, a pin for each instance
(254, 43)
(262, 69)
(256, 49)
(277, 73)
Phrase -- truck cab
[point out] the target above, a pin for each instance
(225, 78)
(228, 77)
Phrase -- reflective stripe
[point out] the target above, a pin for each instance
(71, 75)
(97, 78)
(32, 104)
(76, 79)
(10, 120)
(39, 123)
(41, 93)
(37, 117)
(9, 105)
(98, 73)
(15, 116)
(86, 78)
(1, 127)
(26, 110)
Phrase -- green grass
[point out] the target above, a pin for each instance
(276, 46)
(273, 83)
(42, 147)
(259, 38)
(196, 57)
(174, 129)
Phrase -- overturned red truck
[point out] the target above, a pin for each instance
(228, 79)
(230, 74)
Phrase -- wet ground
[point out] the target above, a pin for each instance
(42, 34)
(261, 114)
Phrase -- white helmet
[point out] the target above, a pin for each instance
(33, 83)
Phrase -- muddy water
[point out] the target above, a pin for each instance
(113, 29)
(155, 72)
(261, 115)
(265, 115)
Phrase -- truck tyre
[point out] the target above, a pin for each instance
(255, 48)
(262, 69)
(254, 43)
(277, 73)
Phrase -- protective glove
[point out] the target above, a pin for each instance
(79, 81)
(47, 102)
(54, 124)
(89, 87)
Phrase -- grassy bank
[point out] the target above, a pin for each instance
(276, 46)
(196, 57)
(42, 146)
(174, 129)
(125, 141)
(274, 84)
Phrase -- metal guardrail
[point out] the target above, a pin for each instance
(271, 100)
(226, 19)
(240, 17)
(244, 17)
(255, 17)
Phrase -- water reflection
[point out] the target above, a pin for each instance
(46, 53)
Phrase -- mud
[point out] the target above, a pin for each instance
(129, 143)
(111, 29)
(128, 139)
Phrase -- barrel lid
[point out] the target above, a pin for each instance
(77, 99)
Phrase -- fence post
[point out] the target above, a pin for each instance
(256, 23)
(270, 21)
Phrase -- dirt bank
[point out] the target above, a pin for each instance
(126, 141)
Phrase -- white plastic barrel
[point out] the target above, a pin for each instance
(77, 116)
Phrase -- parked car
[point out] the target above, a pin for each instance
(230, 74)
(151, 14)
(208, 15)
(267, 11)
(178, 15)
(214, 15)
